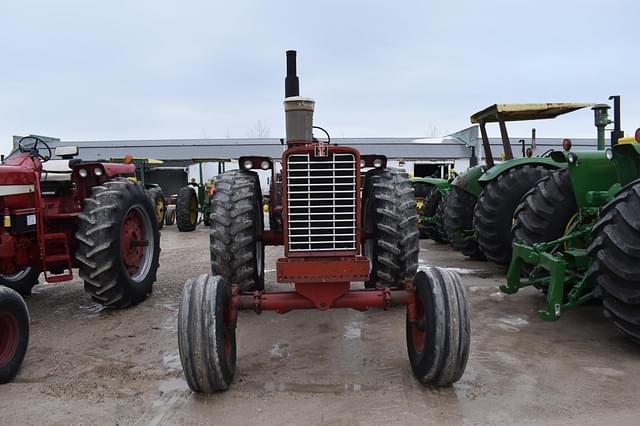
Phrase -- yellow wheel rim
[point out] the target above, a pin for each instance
(160, 207)
(419, 205)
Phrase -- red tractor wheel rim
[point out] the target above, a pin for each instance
(418, 330)
(134, 242)
(9, 334)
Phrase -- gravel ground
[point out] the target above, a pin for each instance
(88, 365)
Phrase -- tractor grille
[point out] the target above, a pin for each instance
(321, 201)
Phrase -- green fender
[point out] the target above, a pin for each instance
(499, 169)
(468, 180)
(627, 160)
(442, 184)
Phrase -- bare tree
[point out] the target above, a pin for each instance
(259, 131)
(432, 130)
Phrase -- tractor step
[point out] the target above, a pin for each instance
(62, 256)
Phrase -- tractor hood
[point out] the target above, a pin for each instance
(16, 175)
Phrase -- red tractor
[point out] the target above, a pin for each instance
(342, 217)
(63, 214)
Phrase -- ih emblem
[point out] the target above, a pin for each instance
(322, 150)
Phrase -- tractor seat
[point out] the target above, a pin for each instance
(55, 171)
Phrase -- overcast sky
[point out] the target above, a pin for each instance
(89, 70)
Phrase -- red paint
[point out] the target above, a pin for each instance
(322, 270)
(132, 240)
(312, 295)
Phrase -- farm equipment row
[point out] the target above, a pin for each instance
(565, 222)
(58, 215)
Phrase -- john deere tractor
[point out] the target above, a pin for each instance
(577, 232)
(430, 193)
(481, 202)
(194, 200)
(153, 190)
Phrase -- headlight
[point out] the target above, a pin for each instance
(248, 164)
(98, 171)
(83, 173)
(265, 165)
(377, 163)
(572, 158)
(363, 164)
(608, 153)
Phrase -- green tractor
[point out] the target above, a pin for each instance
(577, 232)
(481, 202)
(193, 201)
(430, 193)
(154, 191)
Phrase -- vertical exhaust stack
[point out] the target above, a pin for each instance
(298, 110)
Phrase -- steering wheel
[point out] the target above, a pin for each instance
(33, 150)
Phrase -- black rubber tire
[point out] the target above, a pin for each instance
(184, 209)
(23, 281)
(431, 200)
(208, 362)
(440, 234)
(99, 253)
(494, 211)
(458, 221)
(545, 210)
(421, 189)
(615, 250)
(170, 215)
(159, 204)
(237, 252)
(391, 236)
(14, 333)
(438, 344)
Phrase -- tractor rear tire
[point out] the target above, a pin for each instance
(118, 244)
(421, 189)
(237, 252)
(545, 210)
(159, 204)
(615, 250)
(187, 209)
(22, 281)
(170, 215)
(457, 222)
(391, 235)
(431, 199)
(206, 337)
(438, 342)
(14, 333)
(494, 211)
(441, 237)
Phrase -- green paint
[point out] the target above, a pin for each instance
(468, 180)
(501, 168)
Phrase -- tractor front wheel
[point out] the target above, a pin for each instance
(616, 260)
(438, 329)
(187, 209)
(118, 244)
(207, 334)
(170, 215)
(14, 333)
(494, 211)
(391, 241)
(22, 281)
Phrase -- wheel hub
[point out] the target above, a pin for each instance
(9, 333)
(133, 242)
